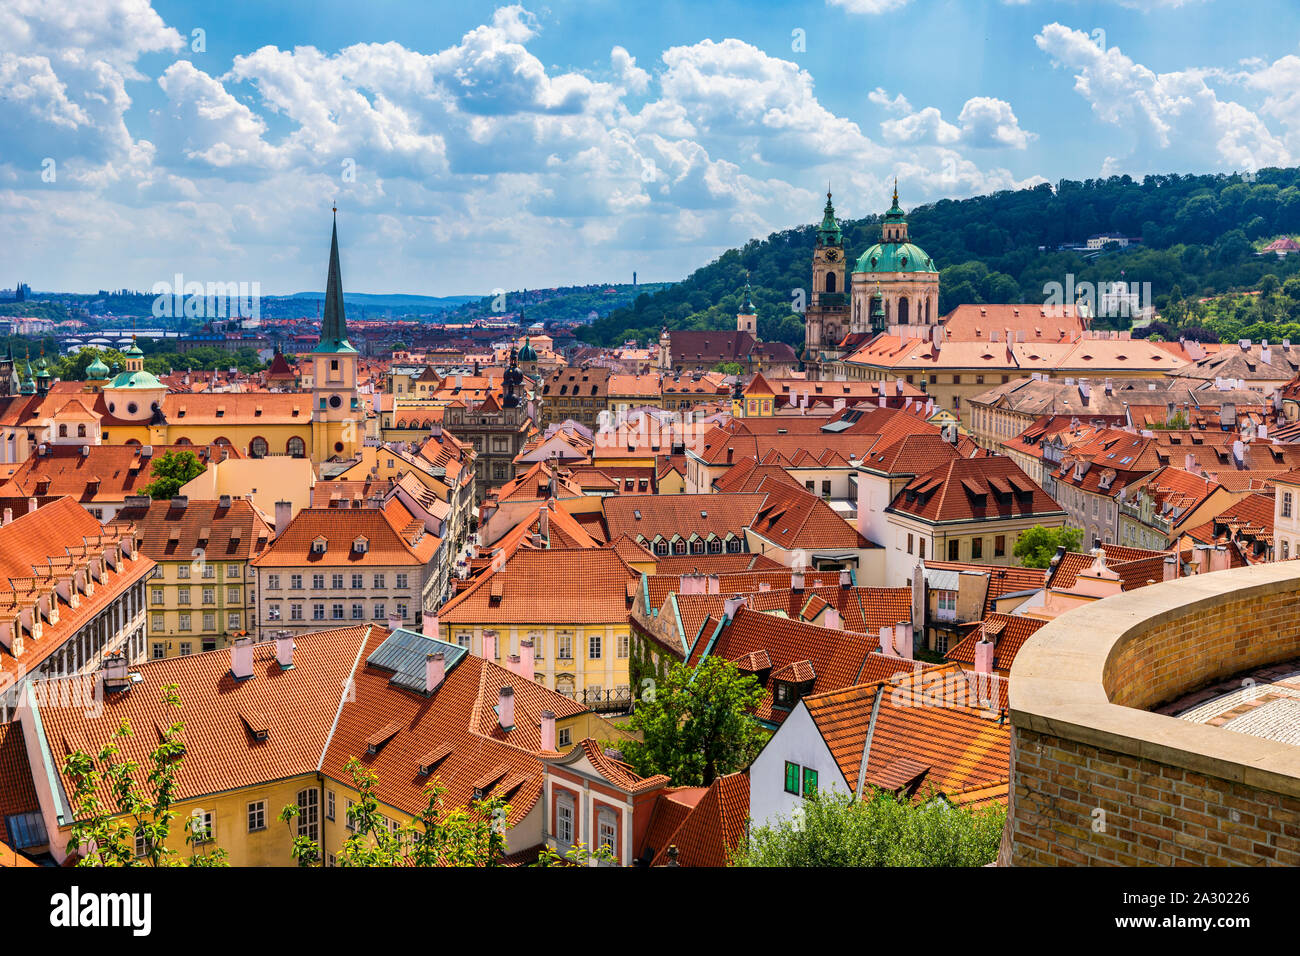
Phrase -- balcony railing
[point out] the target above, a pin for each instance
(618, 700)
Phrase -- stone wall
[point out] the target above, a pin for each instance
(1099, 779)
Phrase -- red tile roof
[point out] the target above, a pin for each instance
(713, 828)
(969, 489)
(555, 585)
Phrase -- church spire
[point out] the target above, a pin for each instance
(334, 327)
(829, 233)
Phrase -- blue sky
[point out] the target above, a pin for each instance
(474, 146)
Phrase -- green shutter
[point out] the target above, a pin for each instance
(791, 777)
(809, 781)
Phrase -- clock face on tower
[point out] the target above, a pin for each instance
(831, 255)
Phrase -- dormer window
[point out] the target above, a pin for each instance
(318, 546)
(360, 545)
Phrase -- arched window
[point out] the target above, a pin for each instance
(258, 447)
(81, 431)
(830, 282)
(184, 441)
(63, 431)
(904, 312)
(296, 447)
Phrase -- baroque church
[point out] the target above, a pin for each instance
(894, 283)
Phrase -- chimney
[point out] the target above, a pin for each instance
(984, 657)
(506, 708)
(1171, 568)
(223, 501)
(833, 620)
(241, 658)
(1239, 451)
(1262, 432)
(434, 671)
(548, 730)
(114, 673)
(903, 640)
(284, 650)
(1202, 560)
(9, 515)
(436, 632)
(846, 579)
(887, 642)
(796, 581)
(489, 647)
(283, 515)
(732, 605)
(394, 622)
(512, 664)
(1219, 558)
(527, 660)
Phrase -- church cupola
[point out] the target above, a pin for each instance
(895, 225)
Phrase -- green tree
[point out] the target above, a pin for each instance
(1036, 546)
(171, 471)
(834, 829)
(696, 725)
(107, 837)
(464, 837)
(729, 368)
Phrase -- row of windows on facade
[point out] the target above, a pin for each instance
(337, 612)
(564, 646)
(183, 596)
(954, 547)
(699, 546)
(209, 571)
(338, 581)
(184, 622)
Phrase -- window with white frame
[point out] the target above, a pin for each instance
(257, 816)
(563, 818)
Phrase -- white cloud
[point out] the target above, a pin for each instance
(870, 7)
(1160, 110)
(984, 123)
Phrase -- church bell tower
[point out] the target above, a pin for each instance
(338, 418)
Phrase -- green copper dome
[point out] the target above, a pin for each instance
(527, 353)
(894, 253)
(895, 257)
(141, 381)
(133, 350)
(96, 368)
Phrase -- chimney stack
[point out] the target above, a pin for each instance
(903, 641)
(887, 642)
(436, 633)
(506, 708)
(114, 673)
(9, 515)
(796, 581)
(434, 671)
(1171, 568)
(846, 579)
(284, 650)
(527, 659)
(241, 658)
(548, 730)
(512, 664)
(489, 647)
(283, 515)
(984, 657)
(1219, 560)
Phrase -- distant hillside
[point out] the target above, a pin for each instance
(563, 304)
(1197, 231)
(430, 303)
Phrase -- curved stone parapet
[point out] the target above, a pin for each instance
(1099, 778)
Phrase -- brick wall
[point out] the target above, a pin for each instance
(1151, 814)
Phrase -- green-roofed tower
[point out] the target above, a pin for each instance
(338, 416)
(334, 325)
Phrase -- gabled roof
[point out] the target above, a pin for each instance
(554, 585)
(709, 831)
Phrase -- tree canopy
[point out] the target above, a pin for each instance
(696, 724)
(1036, 546)
(834, 829)
(172, 471)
